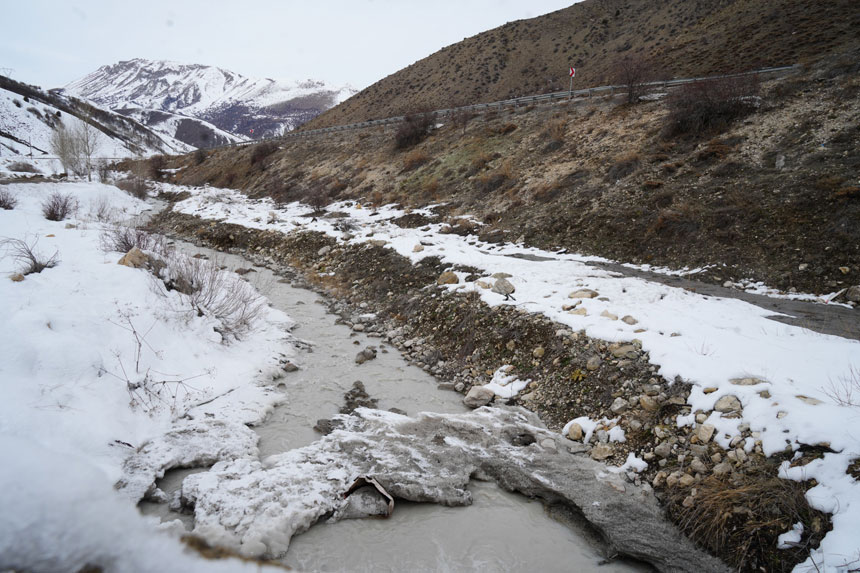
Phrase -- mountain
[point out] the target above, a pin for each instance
(169, 96)
(29, 115)
(664, 39)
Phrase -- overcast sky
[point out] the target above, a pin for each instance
(51, 43)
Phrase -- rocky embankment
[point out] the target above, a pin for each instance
(728, 500)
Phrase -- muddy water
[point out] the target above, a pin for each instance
(499, 532)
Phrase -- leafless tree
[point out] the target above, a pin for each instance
(634, 72)
(76, 147)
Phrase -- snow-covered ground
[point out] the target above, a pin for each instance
(793, 383)
(97, 360)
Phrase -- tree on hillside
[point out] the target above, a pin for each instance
(89, 141)
(634, 72)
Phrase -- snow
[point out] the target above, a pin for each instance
(710, 342)
(505, 385)
(75, 404)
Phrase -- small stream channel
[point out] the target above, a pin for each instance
(499, 532)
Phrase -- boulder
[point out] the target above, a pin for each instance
(503, 287)
(583, 293)
(447, 278)
(135, 259)
(728, 404)
(478, 396)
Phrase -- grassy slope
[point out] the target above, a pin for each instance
(671, 39)
(596, 176)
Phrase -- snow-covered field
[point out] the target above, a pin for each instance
(97, 360)
(793, 383)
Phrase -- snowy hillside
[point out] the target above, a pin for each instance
(228, 100)
(29, 116)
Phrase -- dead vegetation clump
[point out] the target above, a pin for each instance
(710, 106)
(122, 239)
(262, 150)
(23, 167)
(7, 200)
(134, 186)
(58, 206)
(25, 254)
(415, 159)
(414, 128)
(739, 519)
(623, 166)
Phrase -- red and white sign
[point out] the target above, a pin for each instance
(572, 72)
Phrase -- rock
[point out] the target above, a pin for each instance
(593, 363)
(377, 242)
(686, 480)
(418, 248)
(583, 293)
(853, 293)
(619, 405)
(135, 259)
(705, 433)
(483, 284)
(609, 315)
(648, 403)
(368, 353)
(728, 284)
(601, 452)
(698, 466)
(802, 266)
(503, 287)
(16, 278)
(808, 400)
(538, 352)
(478, 396)
(510, 345)
(722, 468)
(579, 312)
(625, 351)
(629, 320)
(447, 278)
(289, 367)
(574, 432)
(728, 404)
(324, 251)
(358, 327)
(844, 270)
(501, 275)
(663, 450)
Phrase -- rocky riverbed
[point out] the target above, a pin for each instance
(723, 497)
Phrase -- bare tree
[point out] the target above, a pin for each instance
(64, 144)
(77, 146)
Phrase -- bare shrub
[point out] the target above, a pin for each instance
(413, 129)
(25, 254)
(709, 106)
(154, 166)
(101, 209)
(23, 167)
(209, 291)
(7, 200)
(122, 239)
(134, 186)
(58, 206)
(103, 170)
(634, 72)
(262, 150)
(318, 198)
(460, 118)
(199, 156)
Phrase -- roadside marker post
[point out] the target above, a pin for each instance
(570, 90)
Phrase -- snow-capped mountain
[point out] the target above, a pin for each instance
(155, 92)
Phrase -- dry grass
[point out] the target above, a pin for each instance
(623, 166)
(740, 519)
(414, 159)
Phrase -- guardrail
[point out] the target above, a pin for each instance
(508, 103)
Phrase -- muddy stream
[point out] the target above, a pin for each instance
(499, 532)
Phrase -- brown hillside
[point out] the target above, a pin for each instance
(678, 38)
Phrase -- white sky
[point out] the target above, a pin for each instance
(50, 43)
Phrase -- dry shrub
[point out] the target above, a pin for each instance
(414, 159)
(623, 166)
(210, 291)
(709, 106)
(460, 119)
(739, 519)
(7, 200)
(23, 167)
(26, 255)
(154, 166)
(652, 184)
(547, 191)
(502, 129)
(122, 239)
(262, 150)
(852, 192)
(479, 163)
(678, 223)
(413, 129)
(58, 206)
(134, 186)
(199, 156)
(490, 182)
